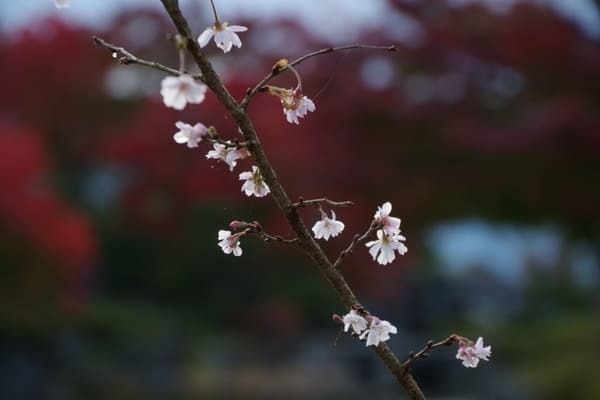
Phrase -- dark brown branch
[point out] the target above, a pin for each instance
(424, 353)
(305, 240)
(324, 200)
(282, 66)
(128, 58)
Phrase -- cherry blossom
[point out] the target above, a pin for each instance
(356, 321)
(225, 36)
(189, 134)
(327, 227)
(295, 105)
(383, 249)
(390, 225)
(61, 3)
(254, 184)
(379, 331)
(177, 91)
(470, 353)
(228, 154)
(230, 243)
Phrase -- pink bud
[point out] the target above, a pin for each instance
(235, 225)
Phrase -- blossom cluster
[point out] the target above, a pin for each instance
(183, 89)
(374, 331)
(389, 239)
(470, 353)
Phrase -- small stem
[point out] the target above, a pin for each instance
(323, 200)
(358, 239)
(181, 61)
(298, 79)
(214, 9)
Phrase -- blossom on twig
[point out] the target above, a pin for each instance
(189, 134)
(254, 184)
(295, 105)
(225, 36)
(230, 243)
(379, 331)
(228, 154)
(177, 91)
(383, 249)
(470, 353)
(390, 225)
(356, 321)
(327, 227)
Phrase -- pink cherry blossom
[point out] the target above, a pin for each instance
(189, 134)
(228, 154)
(295, 105)
(356, 321)
(390, 225)
(177, 91)
(254, 184)
(383, 249)
(225, 36)
(229, 243)
(470, 353)
(379, 331)
(327, 227)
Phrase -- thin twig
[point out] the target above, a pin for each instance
(358, 239)
(128, 58)
(279, 68)
(270, 238)
(256, 228)
(323, 200)
(424, 353)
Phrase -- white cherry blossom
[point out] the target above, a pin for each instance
(189, 134)
(356, 321)
(379, 331)
(177, 91)
(229, 243)
(390, 225)
(254, 184)
(61, 3)
(383, 249)
(470, 353)
(295, 105)
(225, 36)
(228, 154)
(327, 227)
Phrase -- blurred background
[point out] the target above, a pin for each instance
(483, 131)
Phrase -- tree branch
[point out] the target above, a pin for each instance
(128, 58)
(281, 67)
(305, 240)
(424, 353)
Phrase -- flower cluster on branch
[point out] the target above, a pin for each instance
(382, 238)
